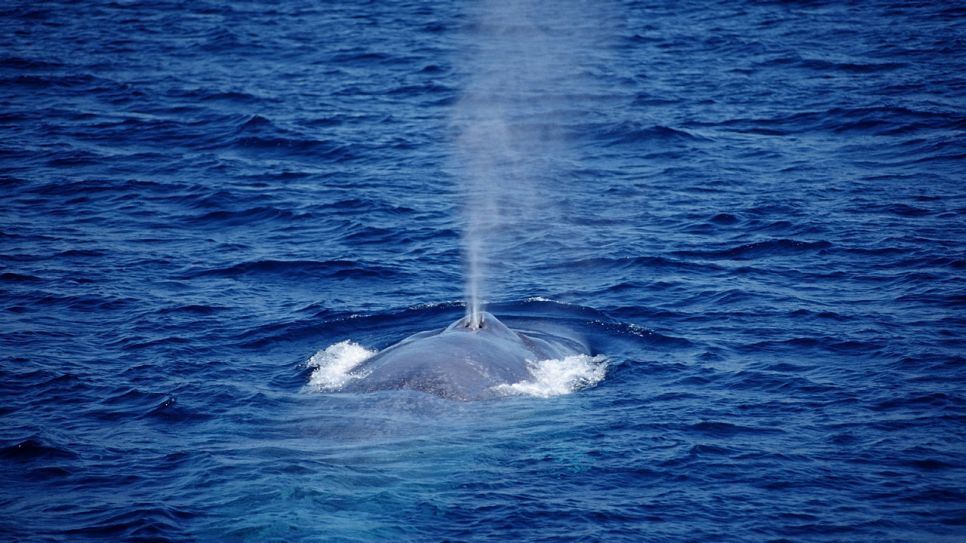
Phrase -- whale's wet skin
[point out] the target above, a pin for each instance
(462, 361)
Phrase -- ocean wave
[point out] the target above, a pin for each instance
(292, 268)
(882, 120)
(142, 521)
(633, 262)
(26, 63)
(35, 448)
(758, 249)
(254, 215)
(305, 147)
(627, 132)
(19, 277)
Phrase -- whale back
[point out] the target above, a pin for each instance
(459, 362)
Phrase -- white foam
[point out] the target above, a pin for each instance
(557, 377)
(334, 365)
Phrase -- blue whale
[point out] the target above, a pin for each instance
(464, 361)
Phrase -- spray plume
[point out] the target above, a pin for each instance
(523, 75)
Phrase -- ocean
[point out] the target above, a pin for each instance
(752, 212)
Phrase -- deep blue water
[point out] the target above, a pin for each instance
(754, 210)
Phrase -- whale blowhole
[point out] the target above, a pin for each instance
(475, 324)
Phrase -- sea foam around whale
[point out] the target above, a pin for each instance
(332, 369)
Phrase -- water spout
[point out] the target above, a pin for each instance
(523, 80)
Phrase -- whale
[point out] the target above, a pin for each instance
(467, 360)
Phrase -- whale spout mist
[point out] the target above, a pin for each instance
(523, 85)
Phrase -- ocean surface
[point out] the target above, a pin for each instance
(753, 212)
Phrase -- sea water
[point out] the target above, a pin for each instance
(753, 212)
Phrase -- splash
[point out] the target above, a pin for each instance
(333, 369)
(334, 365)
(558, 377)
